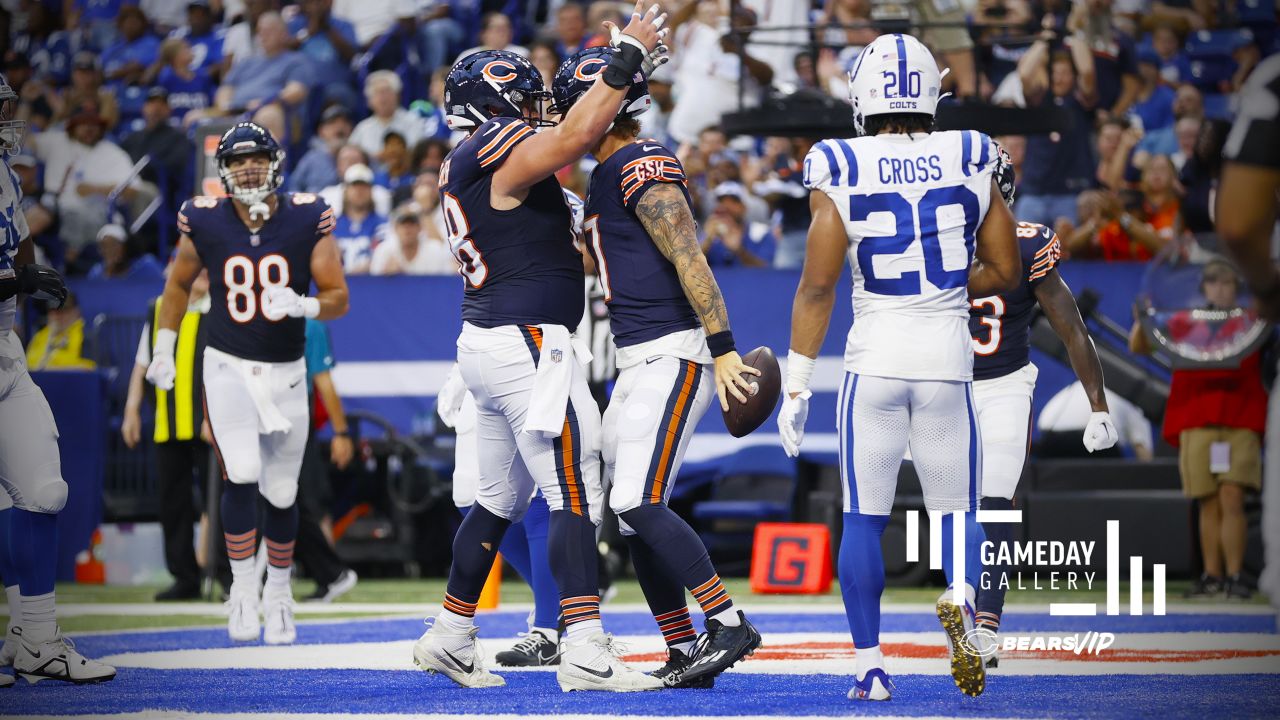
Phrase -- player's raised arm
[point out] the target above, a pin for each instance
(584, 125)
(173, 305)
(665, 214)
(331, 281)
(997, 265)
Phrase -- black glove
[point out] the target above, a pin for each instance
(38, 281)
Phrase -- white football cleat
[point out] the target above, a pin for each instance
(6, 680)
(243, 624)
(10, 648)
(277, 612)
(596, 666)
(875, 685)
(57, 659)
(456, 655)
(967, 666)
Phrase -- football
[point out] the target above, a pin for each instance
(743, 418)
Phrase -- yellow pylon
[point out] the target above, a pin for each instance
(491, 595)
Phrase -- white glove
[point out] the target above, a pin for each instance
(162, 371)
(795, 410)
(281, 301)
(449, 401)
(1100, 433)
(653, 59)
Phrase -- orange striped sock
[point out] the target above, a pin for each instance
(677, 628)
(714, 599)
(581, 616)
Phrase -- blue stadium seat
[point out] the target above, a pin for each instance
(1207, 44)
(755, 484)
(1208, 73)
(1256, 12)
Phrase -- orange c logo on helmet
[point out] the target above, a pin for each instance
(499, 71)
(590, 69)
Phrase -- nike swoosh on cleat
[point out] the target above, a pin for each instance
(604, 675)
(467, 668)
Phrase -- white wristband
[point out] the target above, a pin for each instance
(310, 307)
(799, 371)
(166, 340)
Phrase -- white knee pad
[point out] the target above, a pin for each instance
(281, 493)
(46, 496)
(508, 507)
(243, 468)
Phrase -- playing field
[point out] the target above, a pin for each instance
(1204, 660)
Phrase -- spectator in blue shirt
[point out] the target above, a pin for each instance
(1155, 99)
(121, 258)
(127, 61)
(1114, 59)
(1170, 57)
(266, 83)
(189, 86)
(99, 18)
(318, 168)
(204, 36)
(732, 241)
(359, 226)
(396, 164)
(329, 43)
(1187, 102)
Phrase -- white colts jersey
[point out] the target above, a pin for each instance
(13, 230)
(911, 207)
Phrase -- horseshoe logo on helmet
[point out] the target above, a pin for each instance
(590, 69)
(499, 71)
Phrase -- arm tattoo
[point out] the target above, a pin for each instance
(666, 216)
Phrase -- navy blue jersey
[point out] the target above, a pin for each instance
(644, 294)
(520, 265)
(1001, 324)
(242, 264)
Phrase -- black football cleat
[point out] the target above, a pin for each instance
(672, 674)
(720, 647)
(535, 650)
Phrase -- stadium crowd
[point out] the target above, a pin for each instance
(354, 88)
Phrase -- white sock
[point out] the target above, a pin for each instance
(242, 572)
(455, 623)
(686, 646)
(728, 618)
(278, 578)
(39, 620)
(15, 605)
(867, 659)
(582, 631)
(549, 633)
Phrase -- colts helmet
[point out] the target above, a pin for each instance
(894, 74)
(249, 138)
(579, 72)
(490, 84)
(10, 129)
(1004, 176)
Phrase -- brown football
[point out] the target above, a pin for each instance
(743, 418)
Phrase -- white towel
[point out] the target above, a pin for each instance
(257, 377)
(550, 396)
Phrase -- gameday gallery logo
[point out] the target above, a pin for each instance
(1041, 565)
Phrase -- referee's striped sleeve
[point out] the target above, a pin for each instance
(1255, 136)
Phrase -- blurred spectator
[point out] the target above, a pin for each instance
(1059, 165)
(165, 15)
(167, 146)
(59, 345)
(778, 48)
(570, 30)
(949, 40)
(1199, 177)
(358, 226)
(35, 45)
(1171, 60)
(188, 85)
(849, 28)
(1186, 131)
(1154, 102)
(1187, 102)
(374, 18)
(1216, 418)
(1003, 21)
(318, 168)
(241, 40)
(97, 17)
(1126, 225)
(330, 43)
(729, 239)
(396, 165)
(707, 67)
(495, 34)
(426, 201)
(545, 57)
(410, 251)
(86, 89)
(205, 37)
(777, 178)
(40, 219)
(348, 157)
(1016, 146)
(1115, 142)
(653, 124)
(1066, 415)
(264, 82)
(382, 92)
(1114, 59)
(122, 259)
(438, 35)
(128, 61)
(429, 155)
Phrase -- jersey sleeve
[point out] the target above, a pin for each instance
(652, 164)
(497, 138)
(325, 219)
(818, 166)
(1041, 251)
(1252, 140)
(979, 153)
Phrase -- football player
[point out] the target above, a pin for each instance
(674, 350)
(923, 225)
(1004, 379)
(263, 249)
(1246, 219)
(30, 468)
(510, 229)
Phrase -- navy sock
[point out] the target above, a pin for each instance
(8, 571)
(514, 547)
(280, 528)
(973, 538)
(240, 519)
(681, 551)
(473, 549)
(34, 538)
(571, 548)
(990, 603)
(663, 593)
(546, 595)
(862, 576)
